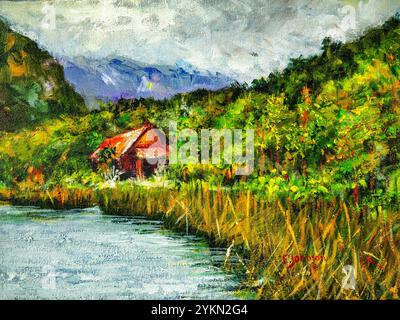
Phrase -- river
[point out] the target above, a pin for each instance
(84, 254)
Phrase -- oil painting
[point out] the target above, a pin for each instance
(199, 150)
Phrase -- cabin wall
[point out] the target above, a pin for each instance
(127, 161)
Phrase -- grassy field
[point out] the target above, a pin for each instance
(287, 249)
(325, 236)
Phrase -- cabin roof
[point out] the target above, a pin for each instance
(122, 142)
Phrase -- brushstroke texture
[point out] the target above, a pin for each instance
(243, 39)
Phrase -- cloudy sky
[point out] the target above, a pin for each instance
(244, 39)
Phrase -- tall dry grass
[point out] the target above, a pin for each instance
(325, 236)
(57, 198)
(264, 236)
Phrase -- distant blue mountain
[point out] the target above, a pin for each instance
(111, 79)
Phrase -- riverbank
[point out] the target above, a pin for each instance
(266, 235)
(57, 198)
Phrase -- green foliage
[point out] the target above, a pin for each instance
(106, 155)
(327, 126)
(336, 62)
(124, 120)
(94, 139)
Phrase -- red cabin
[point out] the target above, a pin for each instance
(136, 153)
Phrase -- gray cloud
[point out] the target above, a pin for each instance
(244, 39)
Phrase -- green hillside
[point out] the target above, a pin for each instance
(339, 136)
(32, 84)
(337, 61)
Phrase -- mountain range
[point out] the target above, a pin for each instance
(112, 78)
(35, 86)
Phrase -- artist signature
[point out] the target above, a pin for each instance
(291, 261)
